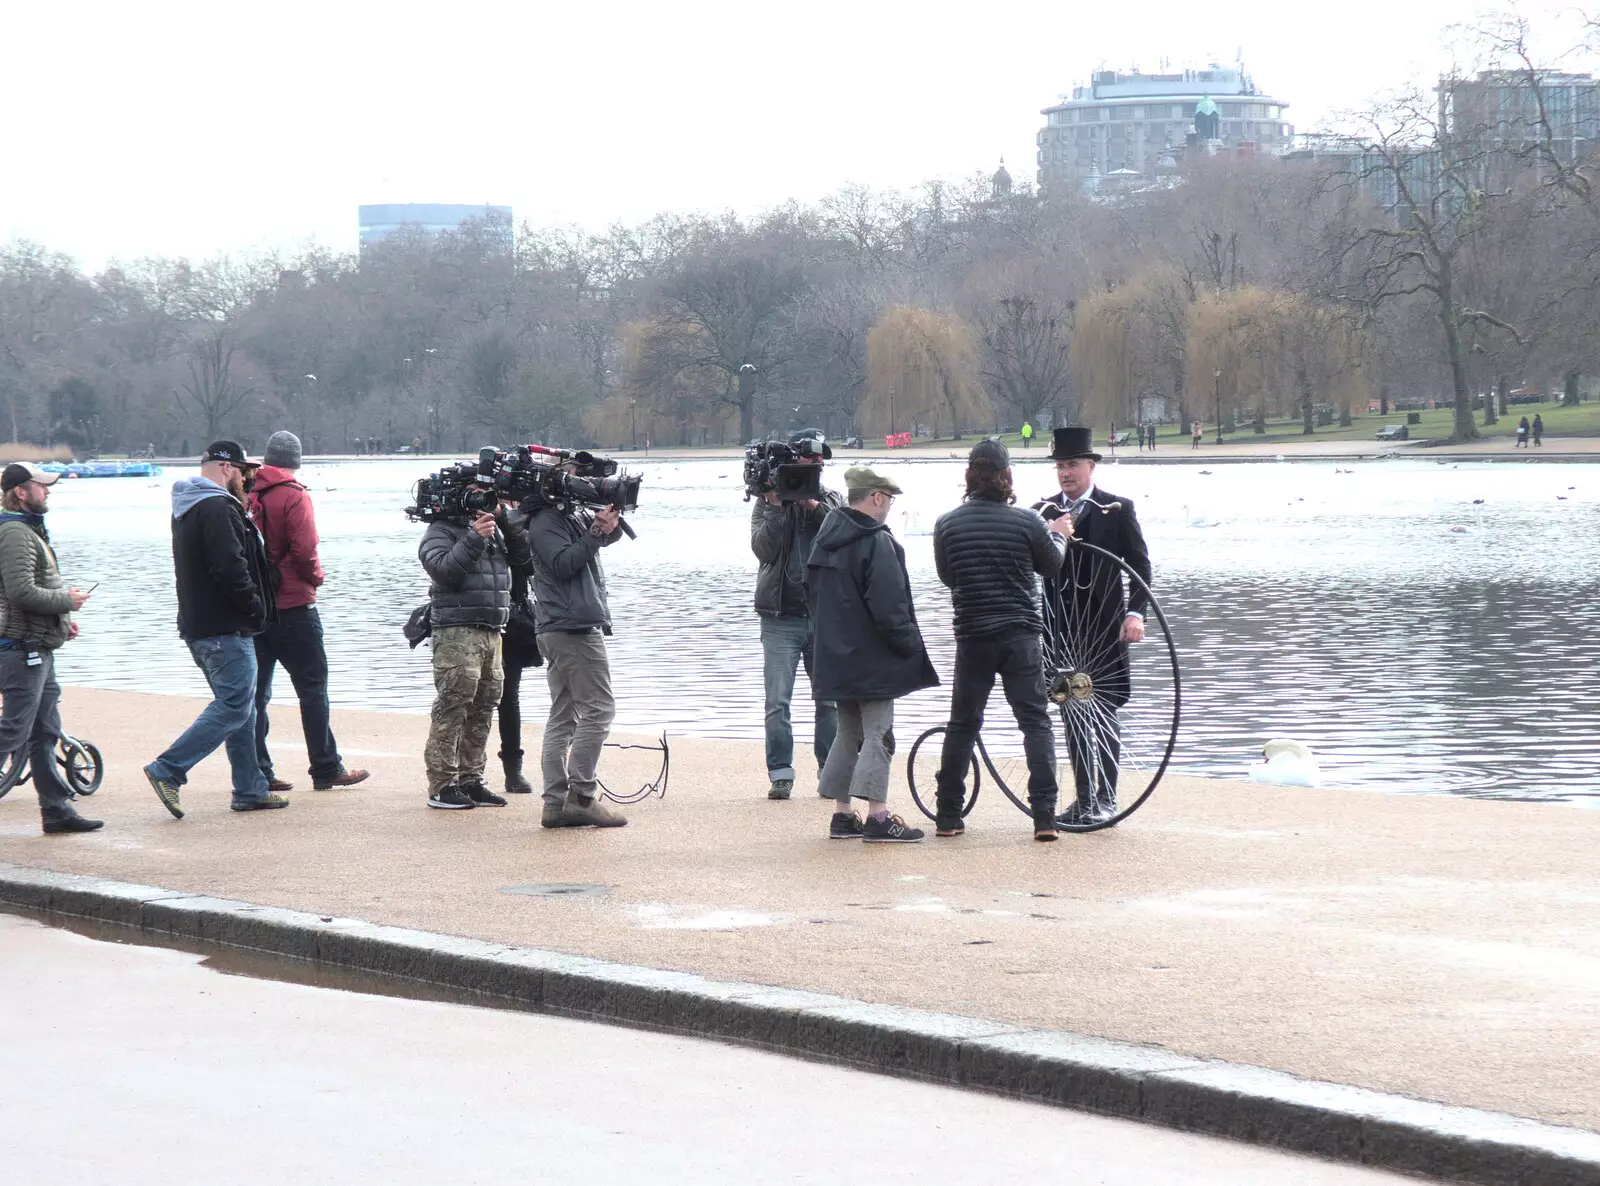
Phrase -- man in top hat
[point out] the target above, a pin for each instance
(1091, 617)
(781, 536)
(224, 600)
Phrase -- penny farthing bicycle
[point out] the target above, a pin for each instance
(82, 768)
(1115, 707)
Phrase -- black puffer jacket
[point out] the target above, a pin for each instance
(781, 537)
(868, 646)
(220, 565)
(470, 575)
(989, 553)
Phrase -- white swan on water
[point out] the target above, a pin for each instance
(1288, 763)
(1198, 520)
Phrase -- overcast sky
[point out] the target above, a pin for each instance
(192, 128)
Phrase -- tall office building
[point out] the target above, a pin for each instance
(380, 221)
(1128, 127)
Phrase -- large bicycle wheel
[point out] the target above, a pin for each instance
(1117, 707)
(922, 766)
(12, 771)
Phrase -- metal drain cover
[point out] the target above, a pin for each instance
(557, 889)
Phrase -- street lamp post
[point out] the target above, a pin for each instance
(891, 411)
(1216, 378)
(633, 421)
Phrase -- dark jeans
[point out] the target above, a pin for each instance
(511, 711)
(229, 664)
(32, 722)
(295, 640)
(1017, 659)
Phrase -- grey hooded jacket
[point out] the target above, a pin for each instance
(470, 576)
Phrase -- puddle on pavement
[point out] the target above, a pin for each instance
(263, 965)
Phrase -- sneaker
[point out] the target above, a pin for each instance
(167, 792)
(278, 787)
(451, 798)
(780, 788)
(72, 823)
(481, 795)
(268, 802)
(949, 826)
(348, 779)
(889, 830)
(846, 825)
(590, 813)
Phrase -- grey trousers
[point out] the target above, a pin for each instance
(31, 723)
(858, 763)
(581, 711)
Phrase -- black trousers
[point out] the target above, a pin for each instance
(1017, 659)
(511, 710)
(1095, 746)
(295, 640)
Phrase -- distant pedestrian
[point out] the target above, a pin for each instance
(35, 619)
(1195, 433)
(1027, 434)
(281, 510)
(868, 653)
(1150, 431)
(1538, 431)
(1522, 433)
(1138, 431)
(224, 600)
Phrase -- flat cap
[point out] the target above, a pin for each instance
(859, 477)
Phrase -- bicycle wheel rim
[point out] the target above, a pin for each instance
(922, 763)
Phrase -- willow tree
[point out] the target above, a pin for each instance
(1238, 349)
(1130, 342)
(921, 363)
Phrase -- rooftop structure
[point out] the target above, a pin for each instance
(1130, 123)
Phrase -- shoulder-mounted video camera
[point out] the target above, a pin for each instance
(778, 466)
(526, 474)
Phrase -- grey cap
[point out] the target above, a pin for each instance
(859, 477)
(283, 450)
(991, 453)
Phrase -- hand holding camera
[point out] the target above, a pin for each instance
(483, 524)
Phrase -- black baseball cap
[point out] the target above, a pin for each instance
(812, 443)
(20, 473)
(230, 451)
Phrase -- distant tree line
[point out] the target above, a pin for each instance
(1454, 256)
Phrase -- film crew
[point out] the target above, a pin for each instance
(468, 562)
(519, 650)
(781, 536)
(574, 620)
(989, 553)
(35, 619)
(868, 653)
(281, 510)
(224, 600)
(1091, 602)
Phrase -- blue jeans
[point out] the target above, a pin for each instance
(785, 643)
(295, 641)
(229, 664)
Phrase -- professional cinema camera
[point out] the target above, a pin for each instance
(777, 466)
(524, 474)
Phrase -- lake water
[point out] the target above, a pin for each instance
(1416, 638)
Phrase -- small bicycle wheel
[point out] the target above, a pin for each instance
(82, 765)
(13, 770)
(922, 768)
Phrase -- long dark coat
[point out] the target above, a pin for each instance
(1087, 603)
(863, 624)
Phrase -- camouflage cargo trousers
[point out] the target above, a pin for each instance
(467, 676)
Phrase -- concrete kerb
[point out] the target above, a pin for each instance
(1091, 1074)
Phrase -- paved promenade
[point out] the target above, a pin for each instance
(1438, 947)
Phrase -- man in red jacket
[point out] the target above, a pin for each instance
(281, 509)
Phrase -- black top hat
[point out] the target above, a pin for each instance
(1071, 442)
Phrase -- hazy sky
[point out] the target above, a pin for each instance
(191, 128)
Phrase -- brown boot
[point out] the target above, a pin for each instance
(590, 813)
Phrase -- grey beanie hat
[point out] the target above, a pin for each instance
(283, 450)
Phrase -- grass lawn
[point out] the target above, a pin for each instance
(1580, 421)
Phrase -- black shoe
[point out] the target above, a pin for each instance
(72, 823)
(451, 798)
(949, 826)
(1077, 816)
(846, 825)
(889, 829)
(515, 783)
(481, 795)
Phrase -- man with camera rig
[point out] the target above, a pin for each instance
(467, 553)
(783, 527)
(574, 619)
